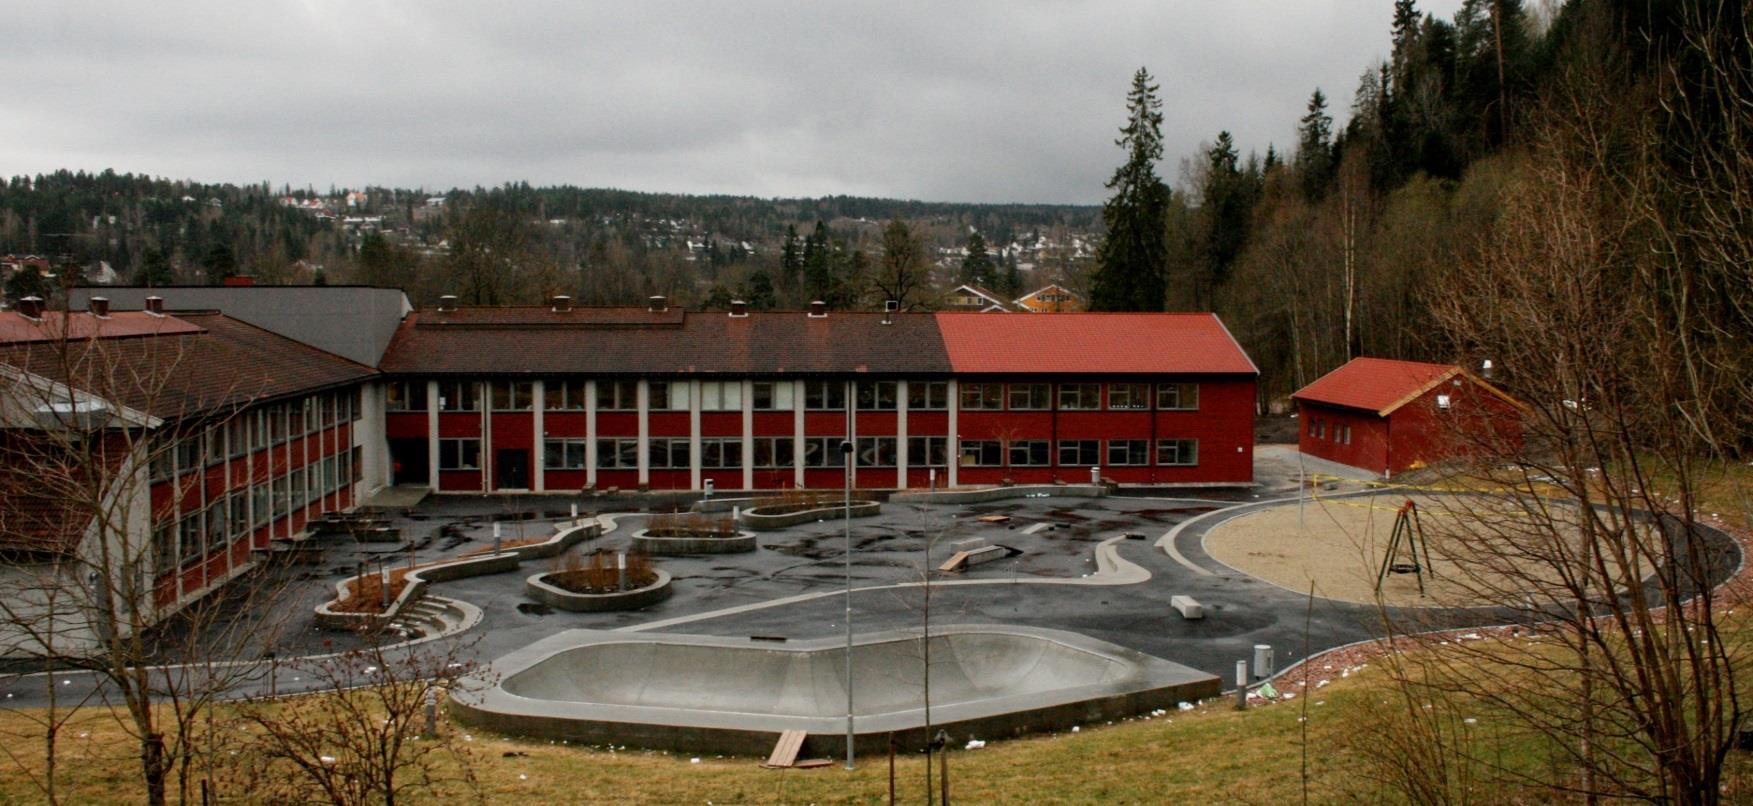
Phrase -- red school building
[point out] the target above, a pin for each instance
(1391, 416)
(560, 398)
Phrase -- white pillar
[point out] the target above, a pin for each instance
(539, 453)
(748, 434)
(643, 396)
(797, 405)
(694, 464)
(901, 435)
(590, 434)
(431, 435)
(954, 448)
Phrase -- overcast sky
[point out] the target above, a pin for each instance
(951, 101)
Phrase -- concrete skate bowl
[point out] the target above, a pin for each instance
(702, 693)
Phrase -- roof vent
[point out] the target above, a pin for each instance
(100, 307)
(155, 306)
(659, 303)
(818, 309)
(739, 309)
(889, 308)
(562, 303)
(31, 307)
(1486, 369)
(448, 302)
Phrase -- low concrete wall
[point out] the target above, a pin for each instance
(559, 598)
(984, 494)
(742, 543)
(761, 522)
(721, 504)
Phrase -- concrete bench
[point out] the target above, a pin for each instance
(1188, 607)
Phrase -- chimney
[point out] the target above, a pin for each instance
(739, 309)
(100, 307)
(562, 303)
(31, 307)
(889, 308)
(448, 302)
(1486, 370)
(659, 303)
(155, 306)
(818, 309)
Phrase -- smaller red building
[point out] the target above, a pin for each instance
(1390, 416)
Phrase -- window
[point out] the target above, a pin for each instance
(617, 395)
(1079, 452)
(350, 404)
(559, 395)
(982, 453)
(617, 454)
(312, 414)
(260, 502)
(772, 395)
(563, 454)
(822, 452)
(189, 538)
(1079, 396)
(163, 464)
(1128, 396)
(824, 395)
(215, 445)
(216, 531)
(1177, 452)
(459, 396)
(876, 451)
(876, 395)
(459, 454)
(1028, 396)
(1028, 452)
(1177, 396)
(513, 395)
(976, 396)
(1128, 452)
(772, 451)
(721, 453)
(668, 452)
(1347, 438)
(1442, 401)
(237, 434)
(667, 395)
(721, 395)
(189, 453)
(928, 451)
(928, 395)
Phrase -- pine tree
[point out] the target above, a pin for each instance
(790, 258)
(1314, 152)
(977, 267)
(1131, 272)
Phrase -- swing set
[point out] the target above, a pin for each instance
(1408, 538)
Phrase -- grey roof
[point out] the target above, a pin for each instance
(354, 322)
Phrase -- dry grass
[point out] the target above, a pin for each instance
(691, 524)
(364, 594)
(599, 574)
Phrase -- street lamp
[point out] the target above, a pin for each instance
(846, 456)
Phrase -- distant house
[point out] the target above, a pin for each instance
(1391, 416)
(969, 297)
(1050, 298)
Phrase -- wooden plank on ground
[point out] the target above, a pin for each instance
(786, 750)
(954, 563)
(993, 518)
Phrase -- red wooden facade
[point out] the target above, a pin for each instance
(1388, 417)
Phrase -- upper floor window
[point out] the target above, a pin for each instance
(1128, 396)
(513, 395)
(667, 395)
(563, 395)
(772, 395)
(721, 395)
(982, 396)
(876, 395)
(1177, 396)
(617, 395)
(824, 395)
(1077, 396)
(459, 396)
(928, 395)
(1029, 396)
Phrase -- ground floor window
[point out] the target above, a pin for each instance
(1029, 453)
(982, 453)
(617, 454)
(876, 451)
(928, 451)
(1128, 452)
(1177, 452)
(772, 451)
(563, 454)
(674, 453)
(1079, 452)
(721, 453)
(459, 454)
(822, 452)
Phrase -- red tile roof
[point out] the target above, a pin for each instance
(15, 328)
(1376, 384)
(1070, 343)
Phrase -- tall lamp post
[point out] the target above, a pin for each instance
(846, 455)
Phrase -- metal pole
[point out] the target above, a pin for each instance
(1242, 685)
(846, 451)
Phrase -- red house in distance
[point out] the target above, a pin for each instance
(1391, 416)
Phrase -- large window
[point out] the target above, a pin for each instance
(822, 452)
(1029, 396)
(1080, 396)
(513, 395)
(563, 454)
(824, 395)
(977, 396)
(1177, 452)
(1079, 452)
(1028, 452)
(928, 451)
(1128, 396)
(563, 395)
(237, 433)
(459, 396)
(876, 451)
(459, 454)
(617, 395)
(667, 395)
(721, 453)
(721, 395)
(928, 395)
(772, 395)
(982, 453)
(189, 453)
(876, 395)
(617, 454)
(1128, 452)
(669, 452)
(772, 451)
(1177, 396)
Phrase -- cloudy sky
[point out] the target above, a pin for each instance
(954, 101)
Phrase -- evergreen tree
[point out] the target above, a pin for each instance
(27, 282)
(155, 269)
(1314, 153)
(1013, 277)
(818, 268)
(977, 267)
(790, 258)
(758, 292)
(1131, 271)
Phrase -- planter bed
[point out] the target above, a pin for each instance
(664, 546)
(538, 588)
(766, 518)
(982, 494)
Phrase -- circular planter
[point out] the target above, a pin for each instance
(763, 519)
(538, 588)
(657, 546)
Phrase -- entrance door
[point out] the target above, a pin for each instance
(409, 462)
(512, 469)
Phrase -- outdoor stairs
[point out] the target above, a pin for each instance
(427, 615)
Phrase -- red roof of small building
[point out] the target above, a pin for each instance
(16, 328)
(1376, 384)
(1111, 343)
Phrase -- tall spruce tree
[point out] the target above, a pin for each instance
(790, 259)
(1314, 151)
(818, 267)
(977, 267)
(1132, 271)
